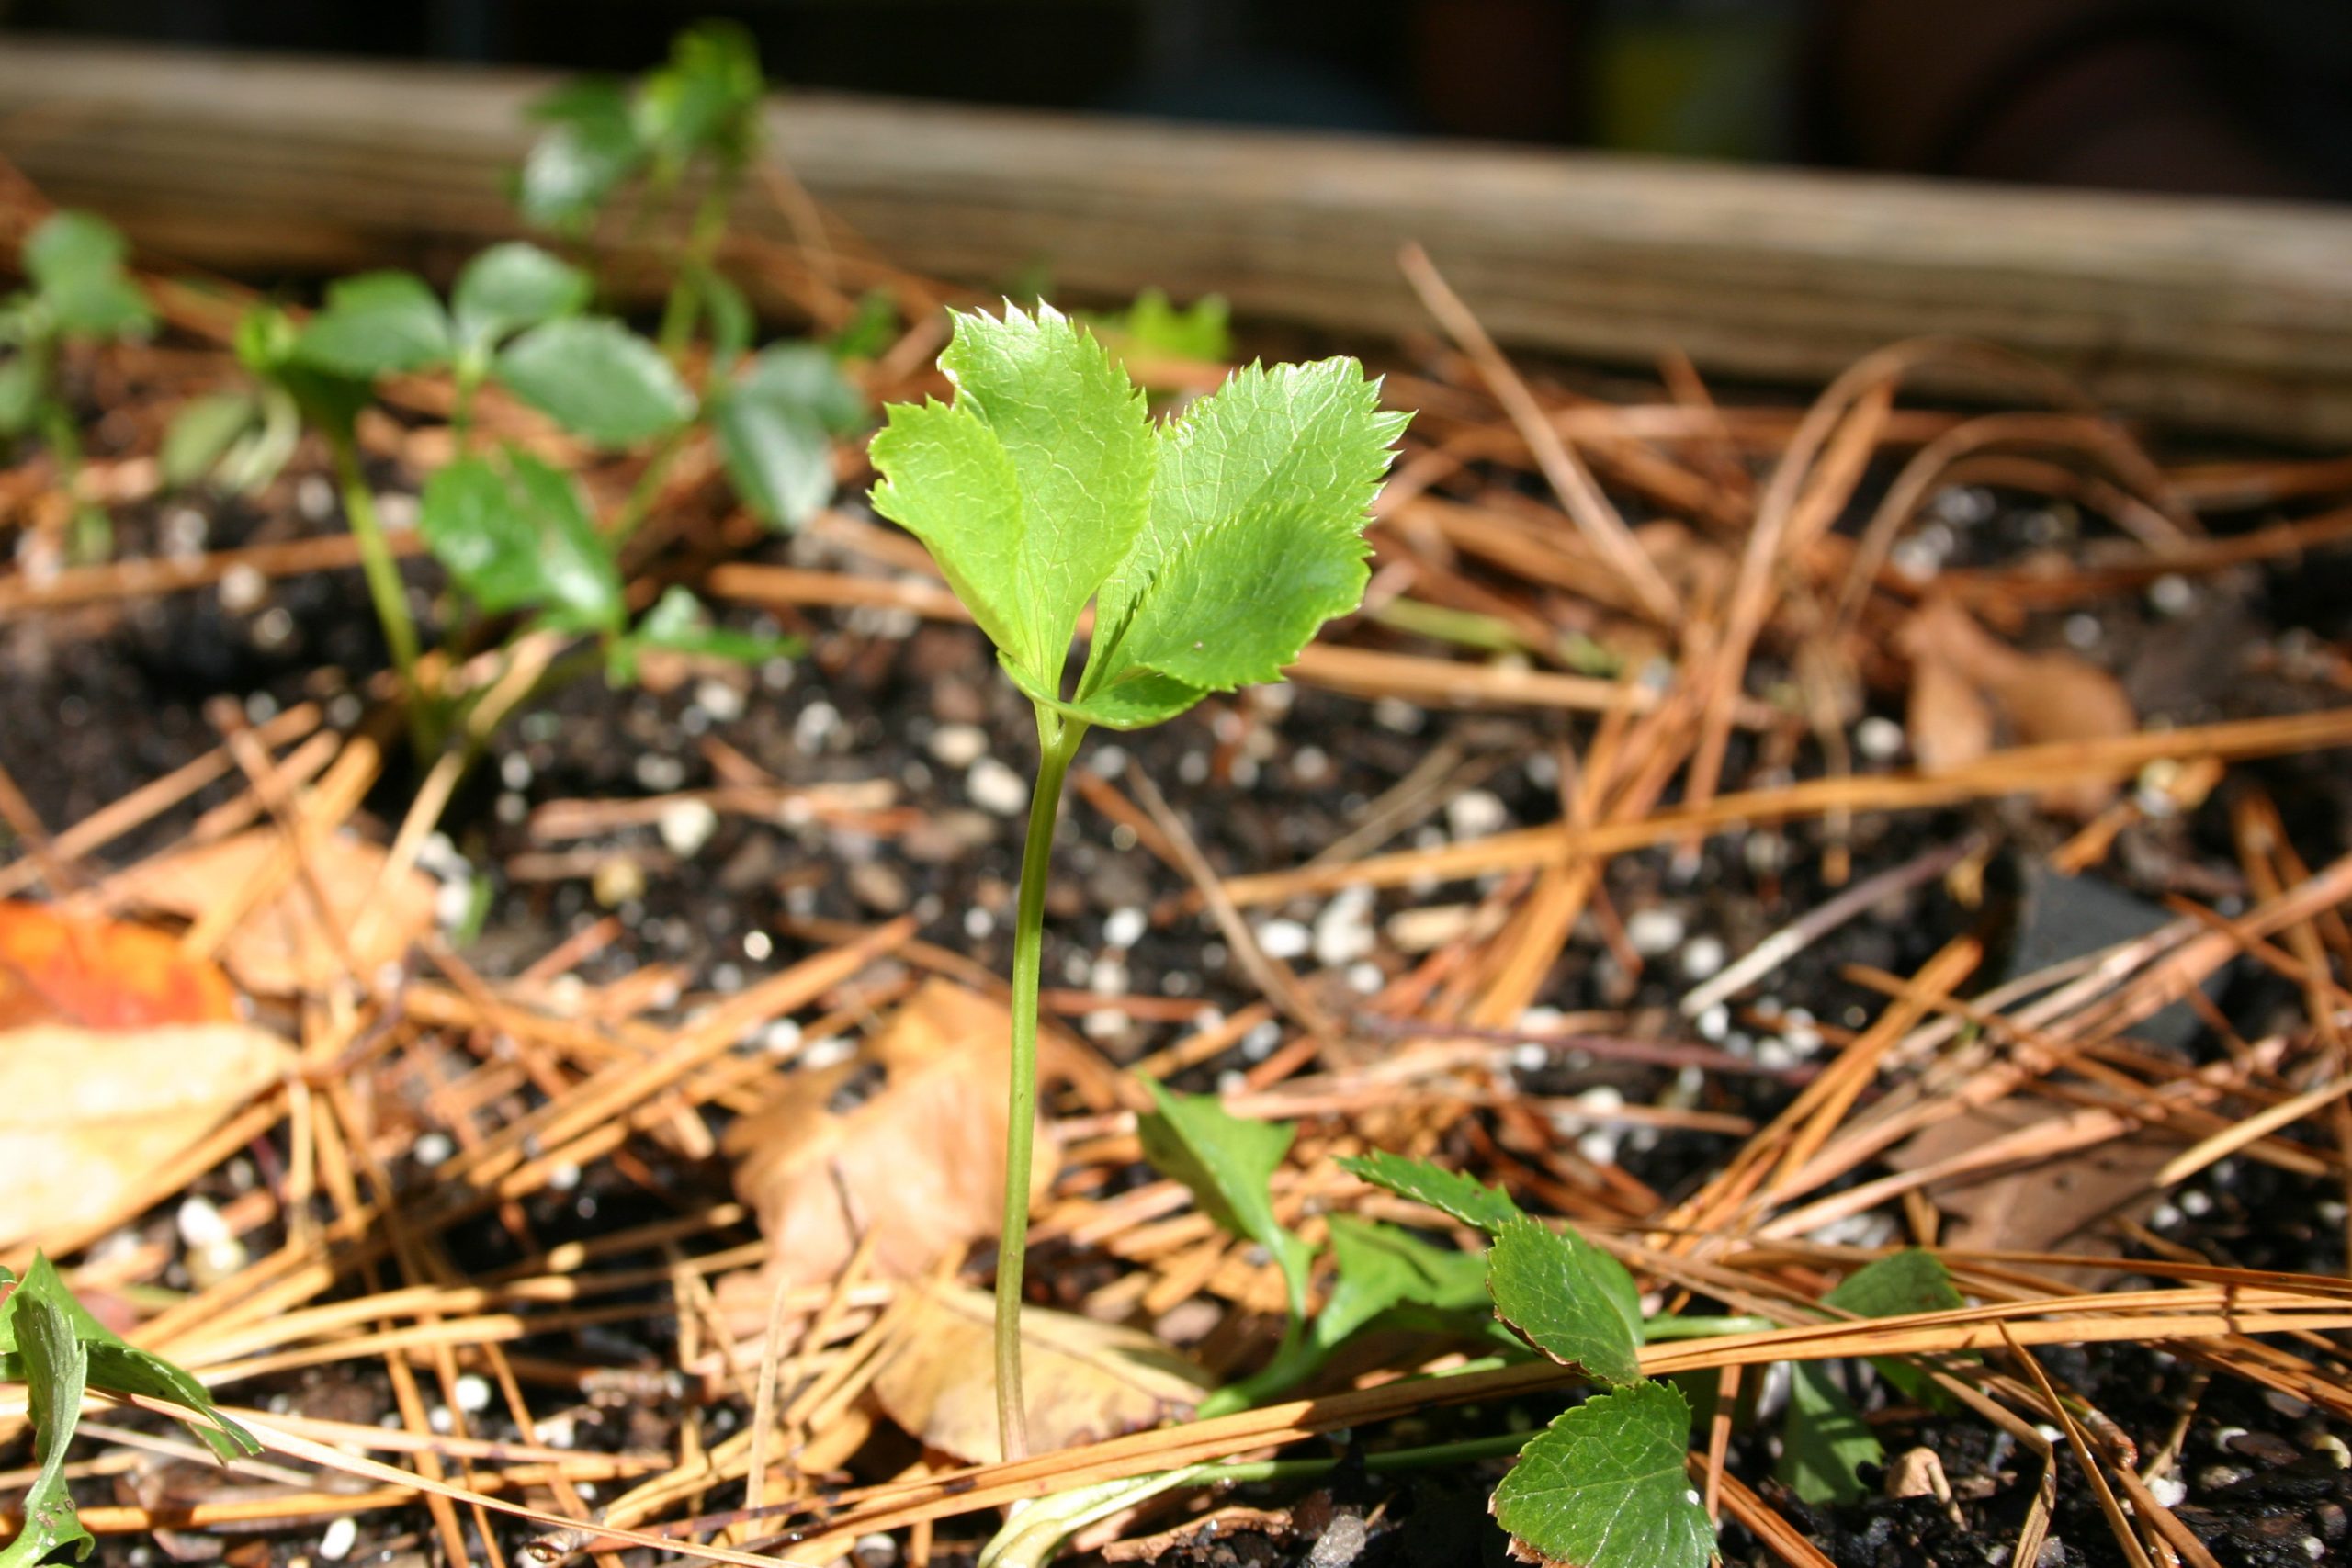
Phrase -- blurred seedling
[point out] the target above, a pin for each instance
(77, 292)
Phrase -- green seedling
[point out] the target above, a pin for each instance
(514, 533)
(697, 116)
(1154, 327)
(77, 291)
(1210, 549)
(49, 1343)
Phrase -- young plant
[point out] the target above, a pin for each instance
(1156, 328)
(1211, 549)
(49, 1343)
(77, 291)
(698, 114)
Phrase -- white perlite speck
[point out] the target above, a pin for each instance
(1653, 932)
(337, 1539)
(686, 826)
(958, 745)
(1285, 940)
(996, 789)
(1123, 928)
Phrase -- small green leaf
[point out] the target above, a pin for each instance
(1229, 1162)
(1200, 330)
(269, 344)
(1569, 1299)
(678, 622)
(802, 375)
(774, 426)
(521, 539)
(378, 324)
(1606, 1486)
(56, 1368)
(1381, 1268)
(873, 328)
(1902, 1282)
(510, 286)
(1823, 1439)
(115, 1366)
(1255, 531)
(202, 433)
(590, 146)
(706, 99)
(1488, 1209)
(596, 378)
(75, 260)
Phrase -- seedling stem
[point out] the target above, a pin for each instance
(1057, 740)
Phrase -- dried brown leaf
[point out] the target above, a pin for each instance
(1949, 725)
(281, 948)
(86, 1114)
(1084, 1381)
(923, 1152)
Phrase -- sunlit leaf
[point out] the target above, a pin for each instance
(1569, 1299)
(1229, 1162)
(1605, 1486)
(590, 146)
(1450, 1192)
(54, 1365)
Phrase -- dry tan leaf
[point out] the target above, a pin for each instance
(922, 1153)
(1084, 1381)
(1949, 724)
(58, 967)
(2051, 1205)
(1958, 668)
(280, 948)
(2055, 696)
(87, 1113)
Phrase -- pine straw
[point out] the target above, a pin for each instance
(533, 1082)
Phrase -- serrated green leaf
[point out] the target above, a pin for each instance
(56, 1367)
(596, 378)
(202, 433)
(706, 99)
(1381, 1268)
(1033, 487)
(1254, 537)
(802, 375)
(1568, 1298)
(1229, 1162)
(112, 1364)
(378, 324)
(75, 260)
(1823, 1439)
(1450, 1192)
(590, 146)
(1606, 1486)
(521, 539)
(510, 286)
(1200, 330)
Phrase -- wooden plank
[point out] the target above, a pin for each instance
(2235, 316)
